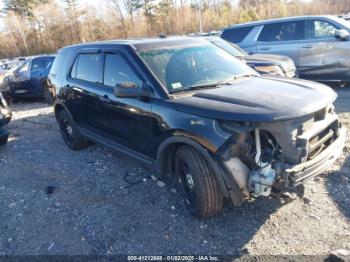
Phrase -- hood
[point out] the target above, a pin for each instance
(266, 59)
(257, 99)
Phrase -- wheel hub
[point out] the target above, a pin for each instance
(69, 130)
(189, 180)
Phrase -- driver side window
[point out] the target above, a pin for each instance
(315, 29)
(24, 68)
(117, 70)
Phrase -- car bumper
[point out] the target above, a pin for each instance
(305, 171)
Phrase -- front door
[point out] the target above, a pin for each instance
(322, 57)
(39, 70)
(121, 118)
(21, 79)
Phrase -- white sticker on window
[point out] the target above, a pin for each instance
(176, 85)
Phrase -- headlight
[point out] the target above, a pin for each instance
(273, 70)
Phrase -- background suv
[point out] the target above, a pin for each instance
(29, 80)
(318, 45)
(262, 63)
(198, 116)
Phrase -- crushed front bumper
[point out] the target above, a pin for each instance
(300, 173)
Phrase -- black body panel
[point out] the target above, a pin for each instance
(258, 99)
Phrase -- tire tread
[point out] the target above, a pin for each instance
(212, 200)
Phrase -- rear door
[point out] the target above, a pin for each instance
(321, 55)
(83, 87)
(281, 38)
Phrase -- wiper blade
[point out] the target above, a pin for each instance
(214, 85)
(229, 81)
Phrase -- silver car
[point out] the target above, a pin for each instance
(319, 45)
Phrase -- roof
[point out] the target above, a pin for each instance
(143, 44)
(281, 19)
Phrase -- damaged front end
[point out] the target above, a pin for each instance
(279, 156)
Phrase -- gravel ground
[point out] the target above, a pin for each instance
(57, 201)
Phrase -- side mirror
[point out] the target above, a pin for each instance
(342, 35)
(131, 90)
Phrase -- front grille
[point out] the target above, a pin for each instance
(315, 136)
(303, 138)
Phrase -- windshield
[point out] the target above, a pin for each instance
(228, 47)
(184, 67)
(343, 22)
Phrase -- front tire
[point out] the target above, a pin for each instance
(70, 132)
(197, 183)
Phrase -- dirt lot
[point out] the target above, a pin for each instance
(56, 201)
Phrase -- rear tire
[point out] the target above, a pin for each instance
(70, 133)
(197, 183)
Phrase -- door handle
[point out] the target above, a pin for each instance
(265, 48)
(307, 46)
(104, 98)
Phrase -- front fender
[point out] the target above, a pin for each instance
(228, 187)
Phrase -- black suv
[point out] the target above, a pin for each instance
(198, 116)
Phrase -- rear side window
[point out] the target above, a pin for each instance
(88, 67)
(58, 63)
(236, 35)
(276, 32)
(117, 70)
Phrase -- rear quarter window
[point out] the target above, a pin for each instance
(59, 63)
(236, 35)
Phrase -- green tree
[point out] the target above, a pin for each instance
(149, 9)
(23, 8)
(72, 7)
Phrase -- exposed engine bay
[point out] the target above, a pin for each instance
(280, 155)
